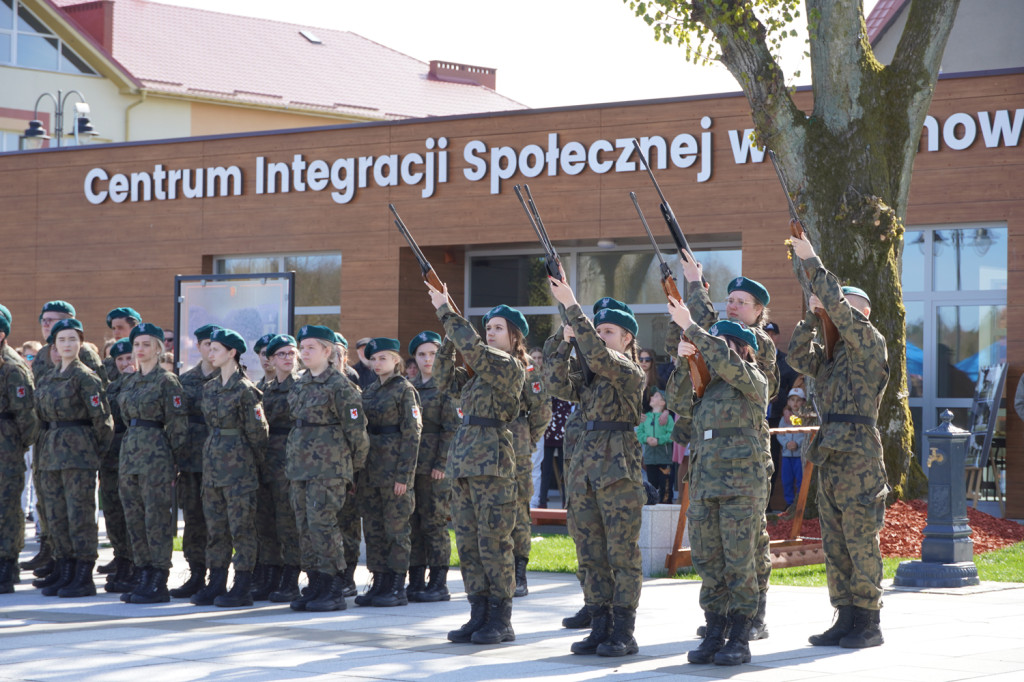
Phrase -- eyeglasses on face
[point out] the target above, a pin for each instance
(646, 358)
(284, 354)
(737, 302)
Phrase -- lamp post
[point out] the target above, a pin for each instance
(36, 135)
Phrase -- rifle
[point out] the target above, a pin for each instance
(699, 373)
(796, 228)
(553, 265)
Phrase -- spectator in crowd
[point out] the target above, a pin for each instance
(775, 408)
(167, 361)
(362, 365)
(412, 372)
(168, 342)
(552, 468)
(792, 445)
(29, 350)
(656, 439)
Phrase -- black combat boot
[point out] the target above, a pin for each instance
(758, 628)
(737, 649)
(271, 579)
(866, 631)
(155, 589)
(143, 577)
(62, 575)
(621, 641)
(121, 580)
(394, 594)
(217, 586)
(196, 582)
(259, 574)
(316, 583)
(714, 639)
(240, 593)
(600, 630)
(839, 629)
(108, 568)
(498, 627)
(42, 557)
(9, 575)
(477, 617)
(287, 587)
(417, 582)
(521, 589)
(437, 588)
(377, 580)
(82, 584)
(349, 588)
(578, 621)
(331, 597)
(45, 569)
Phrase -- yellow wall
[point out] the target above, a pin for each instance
(219, 119)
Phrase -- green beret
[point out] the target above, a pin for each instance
(122, 347)
(857, 291)
(128, 313)
(734, 330)
(752, 287)
(609, 302)
(338, 338)
(57, 307)
(146, 329)
(510, 314)
(229, 339)
(315, 331)
(422, 338)
(61, 325)
(617, 317)
(5, 313)
(204, 332)
(5, 324)
(262, 342)
(278, 342)
(380, 344)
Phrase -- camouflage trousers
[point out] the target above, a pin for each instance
(851, 508)
(12, 516)
(521, 533)
(37, 475)
(230, 513)
(386, 518)
(275, 522)
(70, 496)
(431, 545)
(483, 514)
(351, 528)
(150, 526)
(189, 490)
(607, 523)
(764, 549)
(724, 537)
(316, 504)
(113, 513)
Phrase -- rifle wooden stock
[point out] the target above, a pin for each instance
(828, 327)
(699, 374)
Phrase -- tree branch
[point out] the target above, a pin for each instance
(837, 61)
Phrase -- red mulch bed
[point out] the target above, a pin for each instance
(901, 536)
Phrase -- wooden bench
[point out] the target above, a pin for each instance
(547, 517)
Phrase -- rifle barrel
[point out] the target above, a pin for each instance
(647, 229)
(785, 186)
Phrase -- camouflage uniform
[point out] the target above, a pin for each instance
(847, 451)
(19, 428)
(603, 479)
(527, 430)
(275, 517)
(189, 483)
(349, 522)
(238, 438)
(481, 462)
(727, 493)
(153, 408)
(110, 493)
(325, 448)
(79, 427)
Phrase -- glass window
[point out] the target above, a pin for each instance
(28, 23)
(967, 337)
(317, 278)
(38, 52)
(915, 348)
(329, 320)
(72, 63)
(245, 265)
(514, 280)
(5, 48)
(914, 245)
(970, 259)
(6, 14)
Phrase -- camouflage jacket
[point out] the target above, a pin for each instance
(279, 419)
(853, 381)
(721, 464)
(614, 395)
(573, 431)
(156, 397)
(75, 394)
(392, 457)
(534, 414)
(440, 422)
(110, 373)
(230, 459)
(11, 355)
(112, 457)
(19, 424)
(41, 364)
(332, 442)
(493, 392)
(192, 383)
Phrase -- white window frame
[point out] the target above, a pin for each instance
(280, 257)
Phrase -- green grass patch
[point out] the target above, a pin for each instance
(177, 543)
(548, 553)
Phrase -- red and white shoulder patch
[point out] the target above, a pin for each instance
(536, 387)
(459, 410)
(259, 412)
(353, 413)
(416, 412)
(21, 391)
(529, 368)
(94, 400)
(176, 400)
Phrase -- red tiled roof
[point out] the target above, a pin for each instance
(881, 17)
(193, 52)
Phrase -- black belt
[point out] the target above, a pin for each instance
(119, 427)
(382, 430)
(7, 415)
(431, 428)
(226, 432)
(608, 426)
(72, 422)
(280, 430)
(300, 423)
(708, 434)
(472, 420)
(146, 422)
(847, 418)
(196, 419)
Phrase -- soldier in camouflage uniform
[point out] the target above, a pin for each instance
(431, 545)
(349, 522)
(268, 545)
(481, 461)
(603, 478)
(71, 402)
(189, 482)
(19, 428)
(727, 479)
(387, 496)
(238, 438)
(847, 451)
(747, 303)
(121, 579)
(326, 450)
(152, 406)
(120, 321)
